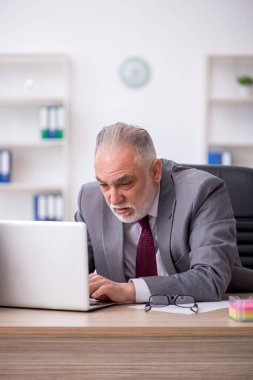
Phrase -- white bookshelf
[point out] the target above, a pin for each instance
(229, 115)
(28, 82)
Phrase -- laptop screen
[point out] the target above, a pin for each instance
(44, 265)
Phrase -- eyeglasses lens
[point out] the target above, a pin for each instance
(159, 301)
(185, 301)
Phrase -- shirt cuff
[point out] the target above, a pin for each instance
(142, 292)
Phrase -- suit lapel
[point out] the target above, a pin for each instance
(112, 237)
(166, 207)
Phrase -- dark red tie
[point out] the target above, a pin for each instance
(145, 257)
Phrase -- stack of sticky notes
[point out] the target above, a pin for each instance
(241, 309)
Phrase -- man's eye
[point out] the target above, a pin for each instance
(126, 184)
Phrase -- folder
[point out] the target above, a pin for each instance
(43, 121)
(59, 207)
(226, 157)
(219, 157)
(50, 207)
(40, 207)
(61, 120)
(52, 122)
(214, 157)
(5, 165)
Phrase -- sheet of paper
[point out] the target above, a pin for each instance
(203, 307)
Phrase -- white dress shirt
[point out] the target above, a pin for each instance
(132, 233)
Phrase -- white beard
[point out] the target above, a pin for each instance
(139, 211)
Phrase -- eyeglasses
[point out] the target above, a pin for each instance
(187, 302)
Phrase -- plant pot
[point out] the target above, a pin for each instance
(245, 91)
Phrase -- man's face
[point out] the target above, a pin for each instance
(128, 185)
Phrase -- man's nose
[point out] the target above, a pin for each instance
(115, 196)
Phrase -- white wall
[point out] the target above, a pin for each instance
(174, 36)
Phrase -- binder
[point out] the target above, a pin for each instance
(43, 121)
(52, 122)
(219, 157)
(226, 157)
(59, 207)
(214, 157)
(61, 120)
(50, 207)
(40, 207)
(5, 166)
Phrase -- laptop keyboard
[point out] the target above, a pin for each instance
(94, 302)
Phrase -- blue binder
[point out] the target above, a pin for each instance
(5, 166)
(214, 157)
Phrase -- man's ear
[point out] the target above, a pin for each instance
(156, 170)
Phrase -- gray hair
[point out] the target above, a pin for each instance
(117, 135)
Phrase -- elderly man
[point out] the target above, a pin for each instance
(155, 227)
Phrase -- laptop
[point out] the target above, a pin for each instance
(45, 265)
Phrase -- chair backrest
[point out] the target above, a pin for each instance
(239, 181)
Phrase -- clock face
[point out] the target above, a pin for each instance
(134, 72)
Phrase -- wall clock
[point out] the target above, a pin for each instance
(135, 72)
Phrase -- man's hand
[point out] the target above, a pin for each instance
(103, 289)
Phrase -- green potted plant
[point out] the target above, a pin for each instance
(245, 84)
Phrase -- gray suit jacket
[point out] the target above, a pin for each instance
(196, 236)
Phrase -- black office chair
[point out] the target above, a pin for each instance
(239, 181)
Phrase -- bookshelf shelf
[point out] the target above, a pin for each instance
(230, 145)
(25, 101)
(39, 162)
(32, 144)
(30, 187)
(229, 114)
(231, 101)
